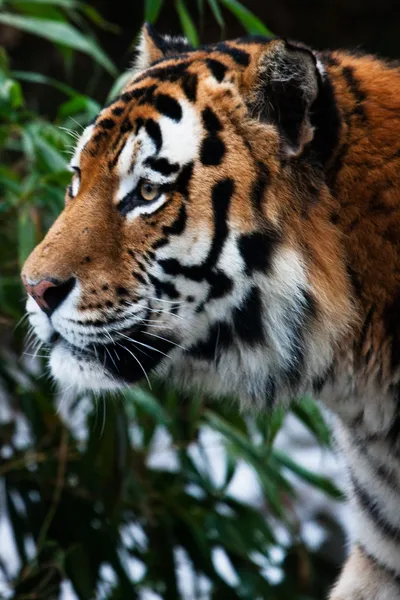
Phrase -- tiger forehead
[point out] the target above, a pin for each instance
(140, 106)
(158, 90)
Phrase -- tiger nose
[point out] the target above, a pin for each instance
(49, 293)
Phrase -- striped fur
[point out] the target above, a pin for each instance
(232, 225)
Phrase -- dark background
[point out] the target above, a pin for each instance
(362, 25)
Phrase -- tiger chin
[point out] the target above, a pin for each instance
(232, 225)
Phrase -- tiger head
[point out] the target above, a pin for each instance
(196, 240)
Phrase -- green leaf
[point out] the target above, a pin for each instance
(61, 33)
(309, 413)
(152, 10)
(189, 28)
(217, 12)
(61, 3)
(149, 404)
(78, 105)
(96, 18)
(11, 93)
(53, 160)
(248, 19)
(26, 234)
(33, 77)
(119, 84)
(319, 481)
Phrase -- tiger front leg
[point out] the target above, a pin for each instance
(363, 579)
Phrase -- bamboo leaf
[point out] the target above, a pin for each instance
(189, 28)
(319, 481)
(217, 12)
(248, 19)
(152, 10)
(61, 33)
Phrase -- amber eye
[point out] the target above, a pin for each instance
(149, 191)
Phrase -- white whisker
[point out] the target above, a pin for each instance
(139, 363)
(77, 122)
(166, 301)
(70, 132)
(145, 345)
(25, 316)
(110, 355)
(165, 340)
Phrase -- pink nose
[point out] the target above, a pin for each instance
(48, 294)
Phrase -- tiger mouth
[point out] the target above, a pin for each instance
(131, 356)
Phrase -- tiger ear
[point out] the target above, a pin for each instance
(284, 89)
(154, 46)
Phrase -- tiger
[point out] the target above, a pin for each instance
(232, 226)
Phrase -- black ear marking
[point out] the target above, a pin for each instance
(287, 86)
(154, 47)
(168, 44)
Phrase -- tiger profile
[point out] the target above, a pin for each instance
(233, 225)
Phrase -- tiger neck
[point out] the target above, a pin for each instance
(364, 177)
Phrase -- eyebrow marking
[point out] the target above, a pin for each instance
(154, 132)
(217, 68)
(168, 106)
(106, 123)
(162, 165)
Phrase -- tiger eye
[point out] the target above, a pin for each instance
(149, 191)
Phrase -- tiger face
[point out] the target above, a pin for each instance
(195, 241)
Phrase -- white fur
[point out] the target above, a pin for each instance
(69, 371)
(83, 140)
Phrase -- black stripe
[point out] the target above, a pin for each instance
(379, 470)
(168, 106)
(96, 139)
(139, 277)
(296, 333)
(370, 507)
(210, 121)
(147, 94)
(257, 249)
(189, 85)
(220, 285)
(220, 336)
(212, 151)
(125, 126)
(162, 165)
(183, 180)
(114, 160)
(326, 120)
(154, 131)
(106, 124)
(164, 287)
(221, 196)
(392, 574)
(358, 93)
(178, 225)
(241, 57)
(247, 318)
(168, 72)
(117, 110)
(217, 68)
(259, 186)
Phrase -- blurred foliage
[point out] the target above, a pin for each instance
(91, 503)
